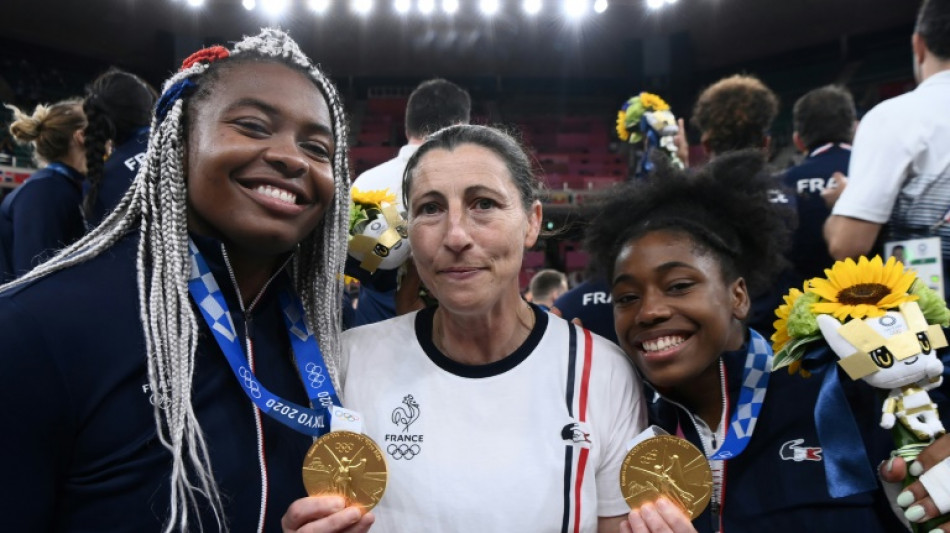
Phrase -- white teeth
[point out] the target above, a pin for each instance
(662, 343)
(279, 194)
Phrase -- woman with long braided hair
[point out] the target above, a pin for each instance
(126, 409)
(118, 106)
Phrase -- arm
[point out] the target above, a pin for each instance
(849, 237)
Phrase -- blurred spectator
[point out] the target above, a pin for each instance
(118, 106)
(43, 214)
(589, 303)
(546, 286)
(899, 176)
(735, 113)
(824, 120)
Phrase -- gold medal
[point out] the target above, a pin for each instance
(667, 466)
(346, 464)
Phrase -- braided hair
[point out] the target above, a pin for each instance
(724, 208)
(156, 206)
(117, 104)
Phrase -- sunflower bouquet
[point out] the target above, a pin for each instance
(647, 117)
(884, 326)
(377, 230)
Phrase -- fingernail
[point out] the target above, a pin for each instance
(916, 469)
(938, 530)
(890, 465)
(915, 513)
(905, 498)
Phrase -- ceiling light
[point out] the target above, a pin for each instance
(318, 6)
(195, 3)
(426, 7)
(363, 7)
(489, 7)
(450, 6)
(655, 4)
(249, 4)
(600, 6)
(274, 8)
(402, 6)
(532, 7)
(575, 8)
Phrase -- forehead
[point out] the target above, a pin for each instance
(657, 249)
(285, 89)
(467, 165)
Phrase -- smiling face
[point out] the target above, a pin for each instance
(673, 312)
(468, 228)
(259, 160)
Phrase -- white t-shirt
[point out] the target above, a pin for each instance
(388, 175)
(900, 161)
(494, 447)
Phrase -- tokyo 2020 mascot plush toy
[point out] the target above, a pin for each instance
(378, 237)
(884, 327)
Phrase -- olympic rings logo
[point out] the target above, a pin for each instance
(315, 375)
(403, 451)
(249, 382)
(349, 417)
(343, 447)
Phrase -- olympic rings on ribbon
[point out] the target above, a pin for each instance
(315, 375)
(253, 388)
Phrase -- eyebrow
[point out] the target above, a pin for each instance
(663, 269)
(270, 110)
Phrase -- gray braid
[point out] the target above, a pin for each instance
(156, 204)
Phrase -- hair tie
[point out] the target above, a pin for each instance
(205, 55)
(171, 95)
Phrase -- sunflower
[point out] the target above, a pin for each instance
(374, 197)
(781, 337)
(653, 102)
(862, 289)
(622, 125)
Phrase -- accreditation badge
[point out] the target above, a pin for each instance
(923, 256)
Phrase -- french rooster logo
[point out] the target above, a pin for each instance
(405, 416)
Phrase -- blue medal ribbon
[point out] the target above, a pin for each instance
(847, 468)
(310, 421)
(755, 382)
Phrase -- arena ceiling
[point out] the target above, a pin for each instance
(151, 35)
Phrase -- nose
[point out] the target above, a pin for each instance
(457, 235)
(653, 309)
(285, 155)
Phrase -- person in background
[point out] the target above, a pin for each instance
(589, 305)
(682, 254)
(546, 286)
(118, 106)
(824, 120)
(144, 348)
(43, 214)
(899, 174)
(736, 113)
(433, 105)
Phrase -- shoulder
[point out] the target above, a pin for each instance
(378, 336)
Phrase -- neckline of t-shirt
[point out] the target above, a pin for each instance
(423, 327)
